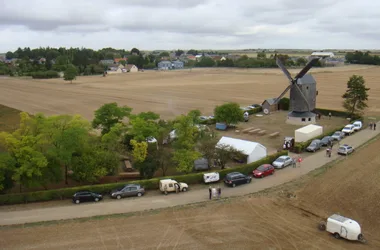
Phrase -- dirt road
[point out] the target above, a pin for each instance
(146, 203)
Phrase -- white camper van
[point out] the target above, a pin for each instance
(342, 227)
(169, 185)
(211, 177)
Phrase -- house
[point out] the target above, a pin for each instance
(131, 68)
(198, 57)
(253, 150)
(164, 65)
(222, 58)
(216, 58)
(42, 60)
(115, 69)
(234, 57)
(191, 57)
(177, 64)
(323, 54)
(269, 104)
(117, 60)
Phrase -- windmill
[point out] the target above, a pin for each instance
(303, 93)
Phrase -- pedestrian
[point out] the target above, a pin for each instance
(166, 189)
(299, 161)
(176, 188)
(219, 192)
(330, 115)
(370, 125)
(294, 162)
(210, 192)
(374, 126)
(327, 151)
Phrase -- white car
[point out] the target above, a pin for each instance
(357, 125)
(345, 149)
(151, 139)
(349, 129)
(282, 161)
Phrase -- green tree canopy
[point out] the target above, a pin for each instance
(70, 73)
(229, 113)
(356, 95)
(108, 115)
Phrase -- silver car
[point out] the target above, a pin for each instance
(314, 145)
(338, 135)
(128, 191)
(345, 149)
(282, 161)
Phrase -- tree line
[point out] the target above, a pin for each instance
(358, 57)
(52, 149)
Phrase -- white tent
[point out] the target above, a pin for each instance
(308, 132)
(253, 150)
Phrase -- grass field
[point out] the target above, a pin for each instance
(267, 220)
(176, 92)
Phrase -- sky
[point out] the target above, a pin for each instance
(190, 24)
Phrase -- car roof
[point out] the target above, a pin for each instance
(283, 156)
(234, 173)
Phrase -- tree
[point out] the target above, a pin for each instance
(206, 146)
(186, 132)
(301, 61)
(225, 153)
(9, 55)
(67, 136)
(164, 54)
(192, 52)
(206, 62)
(144, 125)
(108, 115)
(185, 160)
(140, 150)
(179, 52)
(135, 51)
(229, 113)
(70, 73)
(261, 55)
(147, 168)
(356, 95)
(195, 114)
(7, 165)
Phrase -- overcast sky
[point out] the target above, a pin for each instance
(186, 24)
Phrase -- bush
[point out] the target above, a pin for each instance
(151, 184)
(284, 103)
(45, 74)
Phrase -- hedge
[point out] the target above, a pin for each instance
(337, 113)
(45, 74)
(151, 184)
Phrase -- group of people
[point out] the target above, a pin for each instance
(218, 190)
(296, 160)
(372, 125)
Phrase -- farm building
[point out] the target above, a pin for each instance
(308, 132)
(177, 64)
(269, 104)
(131, 68)
(253, 150)
(323, 54)
(115, 69)
(164, 65)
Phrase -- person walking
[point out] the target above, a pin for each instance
(210, 192)
(294, 162)
(330, 115)
(219, 192)
(299, 161)
(374, 126)
(370, 125)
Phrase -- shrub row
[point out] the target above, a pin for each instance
(151, 184)
(337, 113)
(45, 74)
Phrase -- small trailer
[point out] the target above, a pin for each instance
(342, 227)
(211, 177)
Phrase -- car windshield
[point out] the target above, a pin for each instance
(342, 148)
(347, 127)
(336, 133)
(280, 160)
(261, 168)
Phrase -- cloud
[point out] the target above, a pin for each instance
(218, 24)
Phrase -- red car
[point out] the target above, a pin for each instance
(263, 170)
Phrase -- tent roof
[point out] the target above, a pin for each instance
(309, 128)
(247, 147)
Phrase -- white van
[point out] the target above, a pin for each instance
(357, 125)
(169, 185)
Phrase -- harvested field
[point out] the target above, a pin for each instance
(265, 220)
(176, 92)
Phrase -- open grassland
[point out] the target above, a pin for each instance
(267, 220)
(176, 92)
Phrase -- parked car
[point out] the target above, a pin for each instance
(254, 106)
(169, 185)
(263, 170)
(128, 191)
(245, 108)
(85, 196)
(348, 129)
(151, 139)
(338, 135)
(282, 161)
(235, 178)
(345, 149)
(326, 141)
(314, 145)
(204, 118)
(357, 125)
